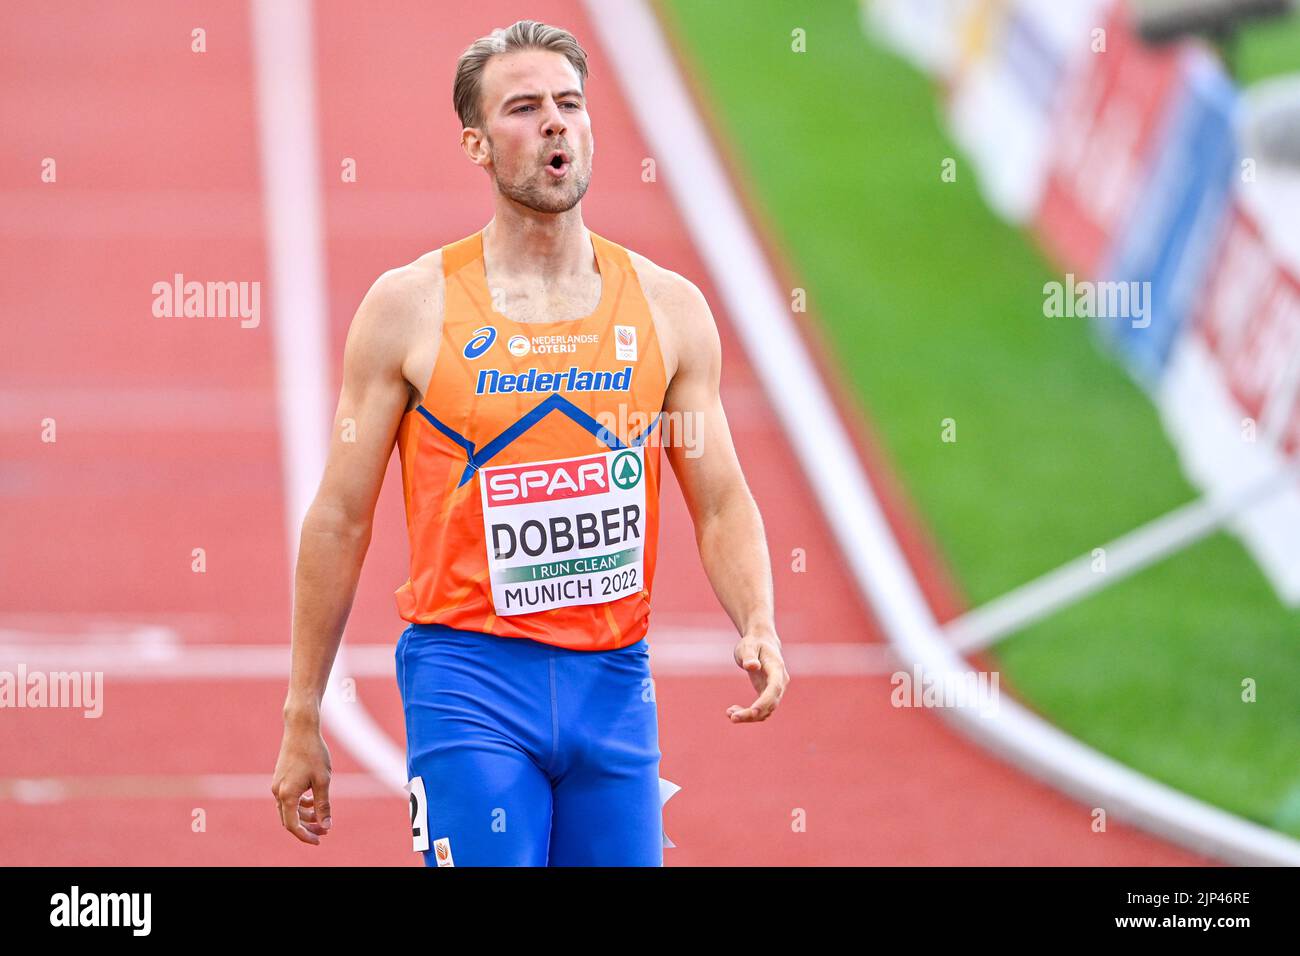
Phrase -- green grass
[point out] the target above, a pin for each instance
(1267, 48)
(933, 307)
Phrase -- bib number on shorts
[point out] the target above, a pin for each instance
(419, 814)
(564, 532)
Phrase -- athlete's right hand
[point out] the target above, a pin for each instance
(304, 765)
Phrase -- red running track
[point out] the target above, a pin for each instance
(167, 441)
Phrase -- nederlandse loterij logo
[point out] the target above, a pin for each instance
(481, 342)
(518, 345)
(626, 471)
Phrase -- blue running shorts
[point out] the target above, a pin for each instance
(525, 754)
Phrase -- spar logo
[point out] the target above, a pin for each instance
(481, 342)
(626, 471)
(542, 481)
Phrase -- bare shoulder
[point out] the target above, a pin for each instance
(664, 288)
(401, 294)
(682, 316)
(399, 321)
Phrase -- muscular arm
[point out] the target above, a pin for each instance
(335, 536)
(728, 526)
(336, 529)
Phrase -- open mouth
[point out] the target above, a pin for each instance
(558, 164)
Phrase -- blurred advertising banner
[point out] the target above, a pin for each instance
(1161, 191)
(1103, 144)
(1230, 396)
(1178, 213)
(1007, 89)
(926, 32)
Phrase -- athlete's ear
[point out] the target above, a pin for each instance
(475, 143)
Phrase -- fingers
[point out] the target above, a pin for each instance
(287, 796)
(308, 817)
(747, 654)
(320, 791)
(771, 683)
(760, 709)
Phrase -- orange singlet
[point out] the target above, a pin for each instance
(531, 469)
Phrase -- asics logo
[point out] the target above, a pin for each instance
(481, 342)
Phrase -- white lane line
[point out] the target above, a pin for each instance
(117, 214)
(141, 408)
(692, 654)
(96, 625)
(217, 786)
(126, 635)
(640, 55)
(286, 101)
(192, 662)
(1125, 556)
(803, 660)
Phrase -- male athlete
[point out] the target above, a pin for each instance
(525, 373)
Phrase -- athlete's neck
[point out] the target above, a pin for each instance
(548, 245)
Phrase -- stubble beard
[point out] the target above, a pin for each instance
(538, 193)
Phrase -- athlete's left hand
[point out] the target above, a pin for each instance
(759, 654)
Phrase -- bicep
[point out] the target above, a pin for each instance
(698, 440)
(372, 400)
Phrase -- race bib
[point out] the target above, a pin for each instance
(564, 532)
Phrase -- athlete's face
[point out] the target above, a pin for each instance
(533, 107)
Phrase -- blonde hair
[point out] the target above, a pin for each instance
(521, 35)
